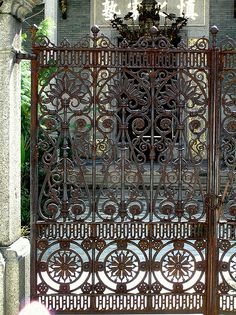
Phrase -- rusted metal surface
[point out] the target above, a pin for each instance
(127, 171)
(227, 225)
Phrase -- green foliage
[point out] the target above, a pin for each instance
(25, 141)
(45, 27)
(25, 110)
(25, 231)
(44, 30)
(23, 37)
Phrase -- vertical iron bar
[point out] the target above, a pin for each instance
(65, 148)
(152, 144)
(123, 151)
(94, 175)
(152, 169)
(123, 155)
(94, 144)
(212, 307)
(34, 170)
(179, 205)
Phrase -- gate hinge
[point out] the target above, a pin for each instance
(24, 56)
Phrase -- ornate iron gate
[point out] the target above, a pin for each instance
(131, 148)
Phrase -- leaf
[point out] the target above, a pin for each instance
(22, 150)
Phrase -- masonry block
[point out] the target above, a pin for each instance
(14, 276)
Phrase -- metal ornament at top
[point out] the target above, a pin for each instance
(63, 7)
(149, 15)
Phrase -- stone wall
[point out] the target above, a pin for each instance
(197, 26)
(222, 15)
(14, 250)
(77, 23)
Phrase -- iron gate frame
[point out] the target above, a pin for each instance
(211, 231)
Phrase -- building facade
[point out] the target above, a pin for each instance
(80, 15)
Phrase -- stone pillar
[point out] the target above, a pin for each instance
(51, 11)
(14, 250)
(2, 281)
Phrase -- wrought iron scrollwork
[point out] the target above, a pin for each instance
(124, 205)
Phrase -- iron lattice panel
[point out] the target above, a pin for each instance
(227, 240)
(160, 148)
(227, 267)
(121, 267)
(125, 176)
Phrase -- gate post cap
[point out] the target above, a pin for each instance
(214, 29)
(18, 8)
(95, 29)
(153, 30)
